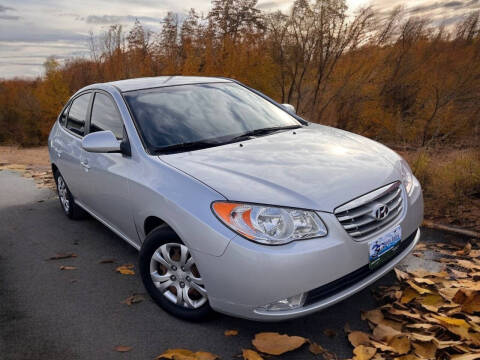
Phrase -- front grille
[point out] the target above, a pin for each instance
(351, 279)
(357, 217)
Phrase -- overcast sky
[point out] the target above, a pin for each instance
(31, 30)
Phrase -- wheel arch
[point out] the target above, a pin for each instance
(151, 223)
(54, 168)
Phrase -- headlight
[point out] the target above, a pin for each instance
(269, 225)
(407, 176)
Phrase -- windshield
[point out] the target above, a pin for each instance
(202, 112)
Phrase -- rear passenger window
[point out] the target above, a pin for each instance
(78, 114)
(105, 116)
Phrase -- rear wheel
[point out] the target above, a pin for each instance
(171, 276)
(72, 210)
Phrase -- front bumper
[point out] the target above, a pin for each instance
(249, 275)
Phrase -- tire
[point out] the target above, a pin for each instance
(184, 279)
(70, 208)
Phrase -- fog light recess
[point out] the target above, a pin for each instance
(293, 302)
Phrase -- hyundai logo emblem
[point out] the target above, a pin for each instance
(380, 212)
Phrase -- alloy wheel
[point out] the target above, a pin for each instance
(63, 194)
(174, 273)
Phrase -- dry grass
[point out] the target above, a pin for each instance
(451, 184)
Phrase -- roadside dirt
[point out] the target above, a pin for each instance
(36, 157)
(31, 163)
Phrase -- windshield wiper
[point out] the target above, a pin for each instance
(264, 131)
(186, 146)
(197, 145)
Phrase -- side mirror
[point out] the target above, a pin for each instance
(101, 142)
(289, 108)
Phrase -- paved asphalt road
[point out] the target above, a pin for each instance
(46, 313)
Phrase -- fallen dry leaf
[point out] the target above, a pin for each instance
(408, 295)
(183, 354)
(384, 333)
(126, 269)
(380, 346)
(472, 304)
(422, 273)
(65, 267)
(330, 333)
(121, 348)
(63, 256)
(458, 274)
(451, 321)
(465, 251)
(448, 293)
(315, 349)
(375, 316)
(407, 357)
(442, 344)
(461, 331)
(230, 332)
(251, 355)
(400, 344)
(107, 261)
(273, 343)
(432, 302)
(426, 350)
(401, 275)
(363, 352)
(423, 326)
(418, 289)
(404, 313)
(467, 264)
(203, 355)
(133, 299)
(357, 338)
(424, 281)
(466, 356)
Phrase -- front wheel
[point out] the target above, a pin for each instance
(171, 276)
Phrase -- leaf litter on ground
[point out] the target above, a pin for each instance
(133, 299)
(184, 354)
(66, 267)
(230, 332)
(273, 343)
(107, 261)
(126, 269)
(425, 315)
(63, 256)
(122, 348)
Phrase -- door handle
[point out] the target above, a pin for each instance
(85, 164)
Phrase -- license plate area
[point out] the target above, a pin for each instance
(384, 248)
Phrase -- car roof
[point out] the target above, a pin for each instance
(162, 81)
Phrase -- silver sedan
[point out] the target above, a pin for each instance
(236, 204)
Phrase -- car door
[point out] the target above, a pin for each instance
(107, 173)
(68, 144)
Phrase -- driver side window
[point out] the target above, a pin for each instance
(105, 116)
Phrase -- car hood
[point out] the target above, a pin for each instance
(315, 167)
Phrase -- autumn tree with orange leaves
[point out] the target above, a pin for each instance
(400, 81)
